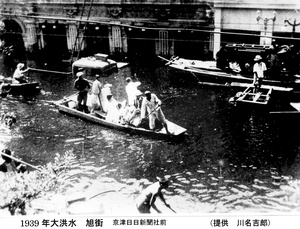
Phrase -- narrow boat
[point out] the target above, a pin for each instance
(29, 88)
(253, 95)
(66, 105)
(206, 71)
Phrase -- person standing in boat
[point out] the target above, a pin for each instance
(19, 74)
(147, 198)
(259, 70)
(83, 87)
(152, 105)
(132, 91)
(96, 92)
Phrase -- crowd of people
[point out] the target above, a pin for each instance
(136, 109)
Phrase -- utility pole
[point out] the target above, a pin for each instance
(294, 25)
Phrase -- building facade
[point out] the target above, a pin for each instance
(145, 27)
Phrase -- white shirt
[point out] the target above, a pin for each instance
(132, 91)
(96, 88)
(149, 105)
(260, 68)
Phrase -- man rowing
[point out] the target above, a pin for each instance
(152, 104)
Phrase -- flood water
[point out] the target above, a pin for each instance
(230, 160)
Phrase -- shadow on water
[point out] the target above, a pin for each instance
(230, 160)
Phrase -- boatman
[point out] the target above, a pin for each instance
(152, 105)
(19, 74)
(83, 87)
(147, 198)
(259, 70)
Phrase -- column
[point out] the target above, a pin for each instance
(217, 31)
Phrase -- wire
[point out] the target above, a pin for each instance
(205, 30)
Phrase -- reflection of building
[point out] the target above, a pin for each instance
(145, 28)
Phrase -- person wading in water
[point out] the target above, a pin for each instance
(147, 198)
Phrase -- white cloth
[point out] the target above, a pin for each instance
(132, 91)
(96, 87)
(104, 92)
(113, 113)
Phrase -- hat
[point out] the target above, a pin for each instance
(78, 74)
(162, 180)
(20, 65)
(257, 58)
(147, 92)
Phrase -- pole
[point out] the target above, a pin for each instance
(23, 162)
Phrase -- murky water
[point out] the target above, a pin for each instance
(230, 161)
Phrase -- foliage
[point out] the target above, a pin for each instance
(18, 189)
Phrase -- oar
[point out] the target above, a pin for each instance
(49, 71)
(23, 162)
(171, 208)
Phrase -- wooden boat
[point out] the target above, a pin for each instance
(253, 95)
(99, 118)
(20, 88)
(206, 71)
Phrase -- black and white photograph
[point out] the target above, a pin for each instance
(149, 113)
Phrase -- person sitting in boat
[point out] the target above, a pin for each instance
(96, 92)
(152, 105)
(4, 89)
(10, 165)
(105, 91)
(83, 87)
(18, 75)
(259, 70)
(207, 54)
(113, 109)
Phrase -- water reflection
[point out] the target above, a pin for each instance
(229, 160)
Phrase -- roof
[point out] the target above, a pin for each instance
(92, 62)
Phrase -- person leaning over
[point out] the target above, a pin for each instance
(147, 198)
(96, 92)
(259, 70)
(152, 105)
(83, 87)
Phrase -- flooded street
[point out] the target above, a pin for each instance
(233, 160)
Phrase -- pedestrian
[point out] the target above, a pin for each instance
(147, 198)
(96, 93)
(10, 165)
(152, 105)
(19, 74)
(259, 70)
(83, 87)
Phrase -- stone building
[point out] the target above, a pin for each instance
(145, 28)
